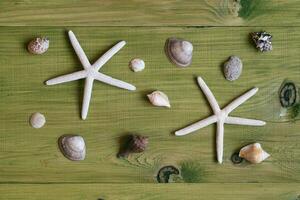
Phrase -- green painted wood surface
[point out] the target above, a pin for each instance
(30, 155)
(150, 13)
(234, 191)
(31, 165)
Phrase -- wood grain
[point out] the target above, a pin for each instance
(150, 191)
(150, 13)
(32, 156)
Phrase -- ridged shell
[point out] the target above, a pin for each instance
(37, 120)
(179, 51)
(38, 45)
(72, 147)
(135, 144)
(253, 153)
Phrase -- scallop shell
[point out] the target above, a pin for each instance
(38, 45)
(158, 98)
(37, 120)
(179, 51)
(72, 147)
(137, 65)
(253, 153)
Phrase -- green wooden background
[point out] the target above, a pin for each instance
(31, 165)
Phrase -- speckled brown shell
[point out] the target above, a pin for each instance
(38, 45)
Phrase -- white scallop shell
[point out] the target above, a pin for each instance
(73, 147)
(179, 51)
(37, 120)
(38, 45)
(253, 153)
(158, 98)
(137, 65)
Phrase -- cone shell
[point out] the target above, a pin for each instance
(253, 153)
(179, 51)
(158, 98)
(135, 144)
(72, 147)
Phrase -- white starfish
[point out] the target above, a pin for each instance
(90, 73)
(221, 116)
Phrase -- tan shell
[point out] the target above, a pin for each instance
(179, 51)
(158, 98)
(38, 45)
(137, 65)
(72, 147)
(37, 120)
(253, 153)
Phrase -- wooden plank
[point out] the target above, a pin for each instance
(31, 155)
(150, 191)
(150, 13)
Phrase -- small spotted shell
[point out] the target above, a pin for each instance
(179, 51)
(38, 45)
(37, 120)
(233, 68)
(73, 147)
(137, 65)
(158, 98)
(253, 153)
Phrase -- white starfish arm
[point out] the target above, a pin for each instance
(67, 78)
(244, 121)
(220, 141)
(79, 51)
(86, 97)
(110, 53)
(241, 99)
(198, 125)
(112, 81)
(210, 97)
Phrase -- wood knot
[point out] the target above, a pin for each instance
(165, 173)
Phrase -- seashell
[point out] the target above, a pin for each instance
(289, 95)
(135, 144)
(137, 65)
(38, 45)
(72, 147)
(233, 68)
(179, 51)
(158, 98)
(37, 120)
(262, 40)
(253, 153)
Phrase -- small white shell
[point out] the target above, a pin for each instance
(254, 153)
(38, 45)
(233, 68)
(158, 98)
(37, 120)
(73, 147)
(137, 65)
(179, 51)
